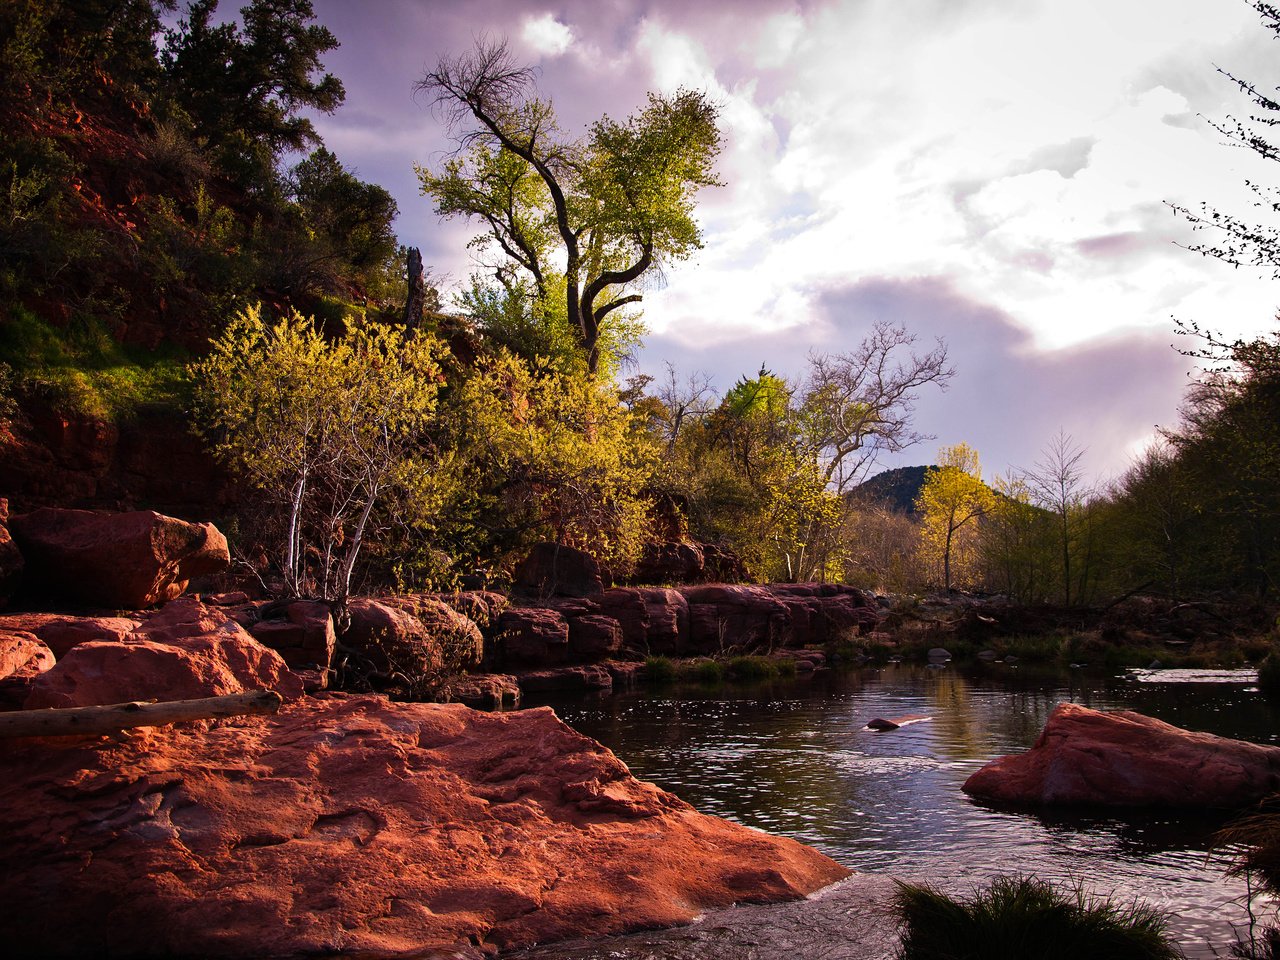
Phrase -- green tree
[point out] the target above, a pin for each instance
(323, 429)
(244, 89)
(952, 499)
(580, 222)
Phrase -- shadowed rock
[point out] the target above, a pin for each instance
(126, 561)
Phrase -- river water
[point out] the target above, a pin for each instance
(793, 758)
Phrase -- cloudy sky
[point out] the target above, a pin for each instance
(992, 172)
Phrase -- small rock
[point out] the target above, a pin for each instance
(939, 653)
(988, 655)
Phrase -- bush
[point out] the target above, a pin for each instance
(1017, 918)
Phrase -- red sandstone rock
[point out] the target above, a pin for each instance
(581, 679)
(532, 636)
(392, 640)
(362, 826)
(594, 636)
(11, 562)
(1126, 759)
(672, 561)
(485, 691)
(723, 616)
(60, 633)
(553, 570)
(121, 560)
(454, 634)
(185, 651)
(23, 655)
(482, 607)
(302, 633)
(653, 619)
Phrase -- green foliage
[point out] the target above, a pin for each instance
(1019, 917)
(80, 370)
(580, 222)
(324, 429)
(547, 455)
(244, 87)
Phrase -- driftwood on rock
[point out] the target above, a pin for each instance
(79, 721)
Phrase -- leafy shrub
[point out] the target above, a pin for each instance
(1017, 918)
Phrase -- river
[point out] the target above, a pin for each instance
(793, 758)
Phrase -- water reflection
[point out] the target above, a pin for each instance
(793, 758)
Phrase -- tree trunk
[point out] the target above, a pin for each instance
(415, 302)
(82, 721)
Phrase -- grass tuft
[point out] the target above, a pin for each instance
(1017, 918)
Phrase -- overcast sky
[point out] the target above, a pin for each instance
(991, 172)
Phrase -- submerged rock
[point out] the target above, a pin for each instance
(1125, 759)
(359, 826)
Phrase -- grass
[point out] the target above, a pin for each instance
(1018, 918)
(81, 371)
(659, 668)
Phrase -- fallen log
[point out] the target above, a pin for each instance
(79, 721)
(881, 724)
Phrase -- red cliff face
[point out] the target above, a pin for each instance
(1125, 759)
(356, 824)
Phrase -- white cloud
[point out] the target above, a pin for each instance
(547, 35)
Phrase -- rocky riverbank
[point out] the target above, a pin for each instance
(346, 823)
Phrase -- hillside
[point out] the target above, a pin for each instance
(897, 489)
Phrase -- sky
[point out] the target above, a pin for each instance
(994, 173)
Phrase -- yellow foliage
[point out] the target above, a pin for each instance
(951, 501)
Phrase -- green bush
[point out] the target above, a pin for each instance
(1018, 918)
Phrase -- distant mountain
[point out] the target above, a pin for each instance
(897, 488)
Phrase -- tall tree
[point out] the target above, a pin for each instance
(613, 205)
(245, 88)
(952, 499)
(1057, 484)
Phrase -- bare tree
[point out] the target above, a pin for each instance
(690, 399)
(854, 407)
(1057, 484)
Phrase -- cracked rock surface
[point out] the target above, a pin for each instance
(356, 825)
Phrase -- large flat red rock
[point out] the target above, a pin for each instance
(359, 825)
(1125, 759)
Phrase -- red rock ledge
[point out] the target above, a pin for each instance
(1125, 759)
(356, 825)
